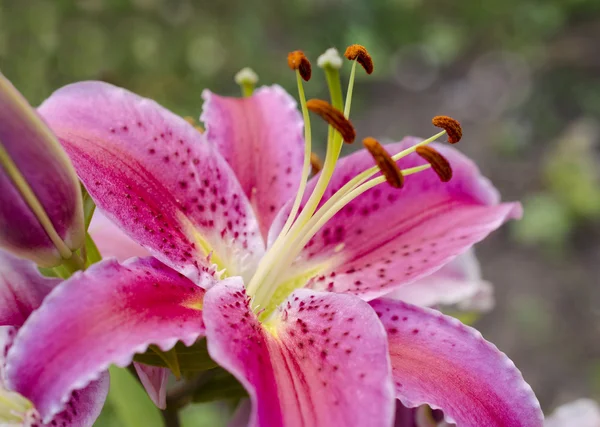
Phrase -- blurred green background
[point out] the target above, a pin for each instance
(523, 76)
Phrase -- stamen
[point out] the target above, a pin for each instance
(450, 125)
(298, 61)
(438, 163)
(388, 167)
(334, 117)
(316, 163)
(361, 55)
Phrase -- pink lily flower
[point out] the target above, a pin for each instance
(22, 290)
(289, 303)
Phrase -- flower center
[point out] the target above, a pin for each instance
(269, 286)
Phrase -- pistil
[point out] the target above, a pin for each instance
(246, 78)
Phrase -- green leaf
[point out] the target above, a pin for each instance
(191, 359)
(88, 207)
(92, 254)
(219, 385)
(130, 402)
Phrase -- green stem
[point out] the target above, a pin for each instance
(73, 264)
(171, 417)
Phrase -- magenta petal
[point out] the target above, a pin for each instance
(261, 138)
(112, 241)
(22, 289)
(320, 360)
(155, 176)
(43, 164)
(436, 360)
(388, 237)
(101, 316)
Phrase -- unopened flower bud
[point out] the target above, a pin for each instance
(41, 212)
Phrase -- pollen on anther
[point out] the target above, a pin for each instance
(298, 61)
(359, 53)
(385, 163)
(450, 125)
(334, 117)
(438, 163)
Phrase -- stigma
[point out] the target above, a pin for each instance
(265, 287)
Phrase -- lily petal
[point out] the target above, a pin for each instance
(320, 360)
(388, 237)
(154, 379)
(155, 176)
(35, 152)
(83, 406)
(22, 289)
(436, 360)
(457, 283)
(112, 241)
(101, 317)
(261, 138)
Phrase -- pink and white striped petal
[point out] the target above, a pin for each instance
(154, 379)
(261, 138)
(388, 237)
(155, 176)
(436, 360)
(320, 359)
(100, 317)
(22, 289)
